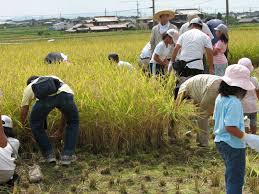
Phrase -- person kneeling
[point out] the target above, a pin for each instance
(8, 151)
(50, 93)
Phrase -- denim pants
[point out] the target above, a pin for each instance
(65, 103)
(235, 161)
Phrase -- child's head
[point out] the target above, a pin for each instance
(8, 126)
(222, 33)
(236, 82)
(113, 57)
(247, 63)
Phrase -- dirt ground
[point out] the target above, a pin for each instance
(179, 168)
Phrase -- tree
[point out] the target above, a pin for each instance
(219, 16)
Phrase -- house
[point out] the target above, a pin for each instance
(144, 23)
(105, 20)
(249, 20)
(61, 26)
(181, 16)
(99, 29)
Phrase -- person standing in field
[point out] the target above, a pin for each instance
(51, 92)
(114, 59)
(161, 55)
(185, 27)
(229, 129)
(212, 24)
(192, 45)
(55, 57)
(203, 90)
(163, 18)
(249, 102)
(220, 50)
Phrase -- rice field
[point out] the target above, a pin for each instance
(125, 119)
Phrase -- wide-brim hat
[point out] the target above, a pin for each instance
(247, 63)
(164, 12)
(223, 29)
(239, 76)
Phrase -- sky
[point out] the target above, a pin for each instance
(69, 8)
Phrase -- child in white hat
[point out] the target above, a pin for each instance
(9, 153)
(250, 100)
(229, 130)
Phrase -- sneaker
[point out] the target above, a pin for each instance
(49, 159)
(67, 160)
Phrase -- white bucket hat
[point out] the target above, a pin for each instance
(247, 63)
(174, 34)
(239, 76)
(7, 121)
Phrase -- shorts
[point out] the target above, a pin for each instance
(220, 69)
(253, 119)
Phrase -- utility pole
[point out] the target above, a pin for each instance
(105, 12)
(227, 12)
(138, 13)
(153, 7)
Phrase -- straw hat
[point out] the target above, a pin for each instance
(239, 76)
(164, 12)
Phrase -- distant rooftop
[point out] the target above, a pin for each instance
(106, 19)
(187, 11)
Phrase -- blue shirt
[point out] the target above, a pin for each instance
(228, 112)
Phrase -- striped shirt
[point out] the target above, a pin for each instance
(196, 86)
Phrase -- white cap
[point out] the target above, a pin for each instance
(7, 121)
(173, 34)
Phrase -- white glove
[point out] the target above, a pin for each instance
(247, 122)
(252, 141)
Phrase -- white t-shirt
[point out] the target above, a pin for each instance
(192, 45)
(205, 29)
(125, 64)
(7, 165)
(146, 51)
(162, 51)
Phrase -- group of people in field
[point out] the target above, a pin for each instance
(197, 55)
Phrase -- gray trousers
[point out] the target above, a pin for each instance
(6, 175)
(207, 107)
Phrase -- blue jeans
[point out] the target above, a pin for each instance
(235, 161)
(65, 103)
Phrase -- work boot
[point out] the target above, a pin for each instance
(67, 160)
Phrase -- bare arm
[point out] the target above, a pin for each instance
(209, 52)
(24, 114)
(175, 52)
(235, 132)
(215, 51)
(3, 139)
(159, 61)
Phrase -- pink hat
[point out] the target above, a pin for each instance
(239, 76)
(247, 63)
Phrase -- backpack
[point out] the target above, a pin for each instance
(45, 86)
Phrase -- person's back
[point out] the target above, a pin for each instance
(196, 86)
(55, 57)
(193, 43)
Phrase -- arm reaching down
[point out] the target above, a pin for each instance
(24, 114)
(3, 138)
(209, 52)
(235, 132)
(175, 52)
